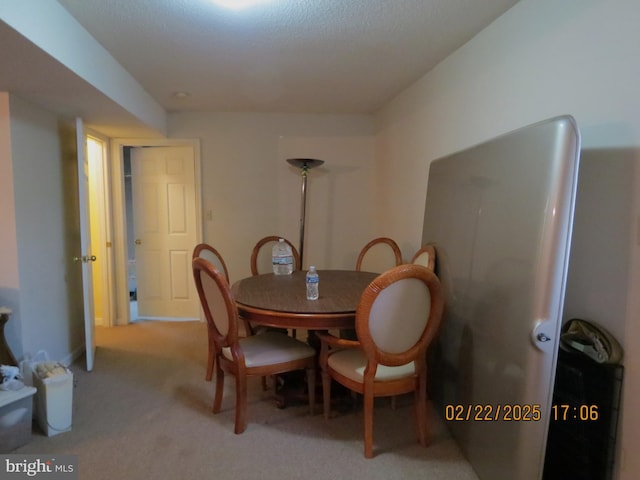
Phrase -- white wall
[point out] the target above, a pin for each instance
(51, 27)
(251, 191)
(45, 183)
(540, 59)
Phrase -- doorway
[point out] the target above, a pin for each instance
(129, 284)
(132, 286)
(99, 220)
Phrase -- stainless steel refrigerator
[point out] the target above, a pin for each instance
(500, 215)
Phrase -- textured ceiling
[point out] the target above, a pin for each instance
(311, 56)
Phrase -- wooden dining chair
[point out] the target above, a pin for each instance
(210, 254)
(269, 353)
(261, 261)
(425, 256)
(379, 255)
(387, 360)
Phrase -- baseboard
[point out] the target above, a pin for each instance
(73, 356)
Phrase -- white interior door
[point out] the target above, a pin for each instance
(86, 257)
(165, 231)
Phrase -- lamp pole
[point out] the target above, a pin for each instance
(304, 164)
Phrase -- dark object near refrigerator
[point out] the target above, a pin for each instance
(584, 421)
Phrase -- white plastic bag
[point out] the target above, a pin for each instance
(28, 365)
(51, 372)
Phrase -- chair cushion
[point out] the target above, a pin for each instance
(399, 315)
(270, 348)
(352, 362)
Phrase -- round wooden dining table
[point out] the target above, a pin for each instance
(281, 301)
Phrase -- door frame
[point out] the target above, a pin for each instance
(119, 210)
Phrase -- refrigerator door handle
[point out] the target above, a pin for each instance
(540, 336)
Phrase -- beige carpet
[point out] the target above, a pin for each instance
(145, 413)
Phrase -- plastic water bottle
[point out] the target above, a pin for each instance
(282, 258)
(313, 282)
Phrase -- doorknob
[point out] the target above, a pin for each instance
(85, 259)
(138, 241)
(543, 338)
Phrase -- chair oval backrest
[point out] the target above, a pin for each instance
(217, 302)
(206, 251)
(399, 314)
(426, 257)
(261, 256)
(379, 255)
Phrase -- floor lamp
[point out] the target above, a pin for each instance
(304, 164)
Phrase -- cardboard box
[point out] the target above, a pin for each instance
(16, 412)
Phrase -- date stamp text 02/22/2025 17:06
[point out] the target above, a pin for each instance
(519, 412)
